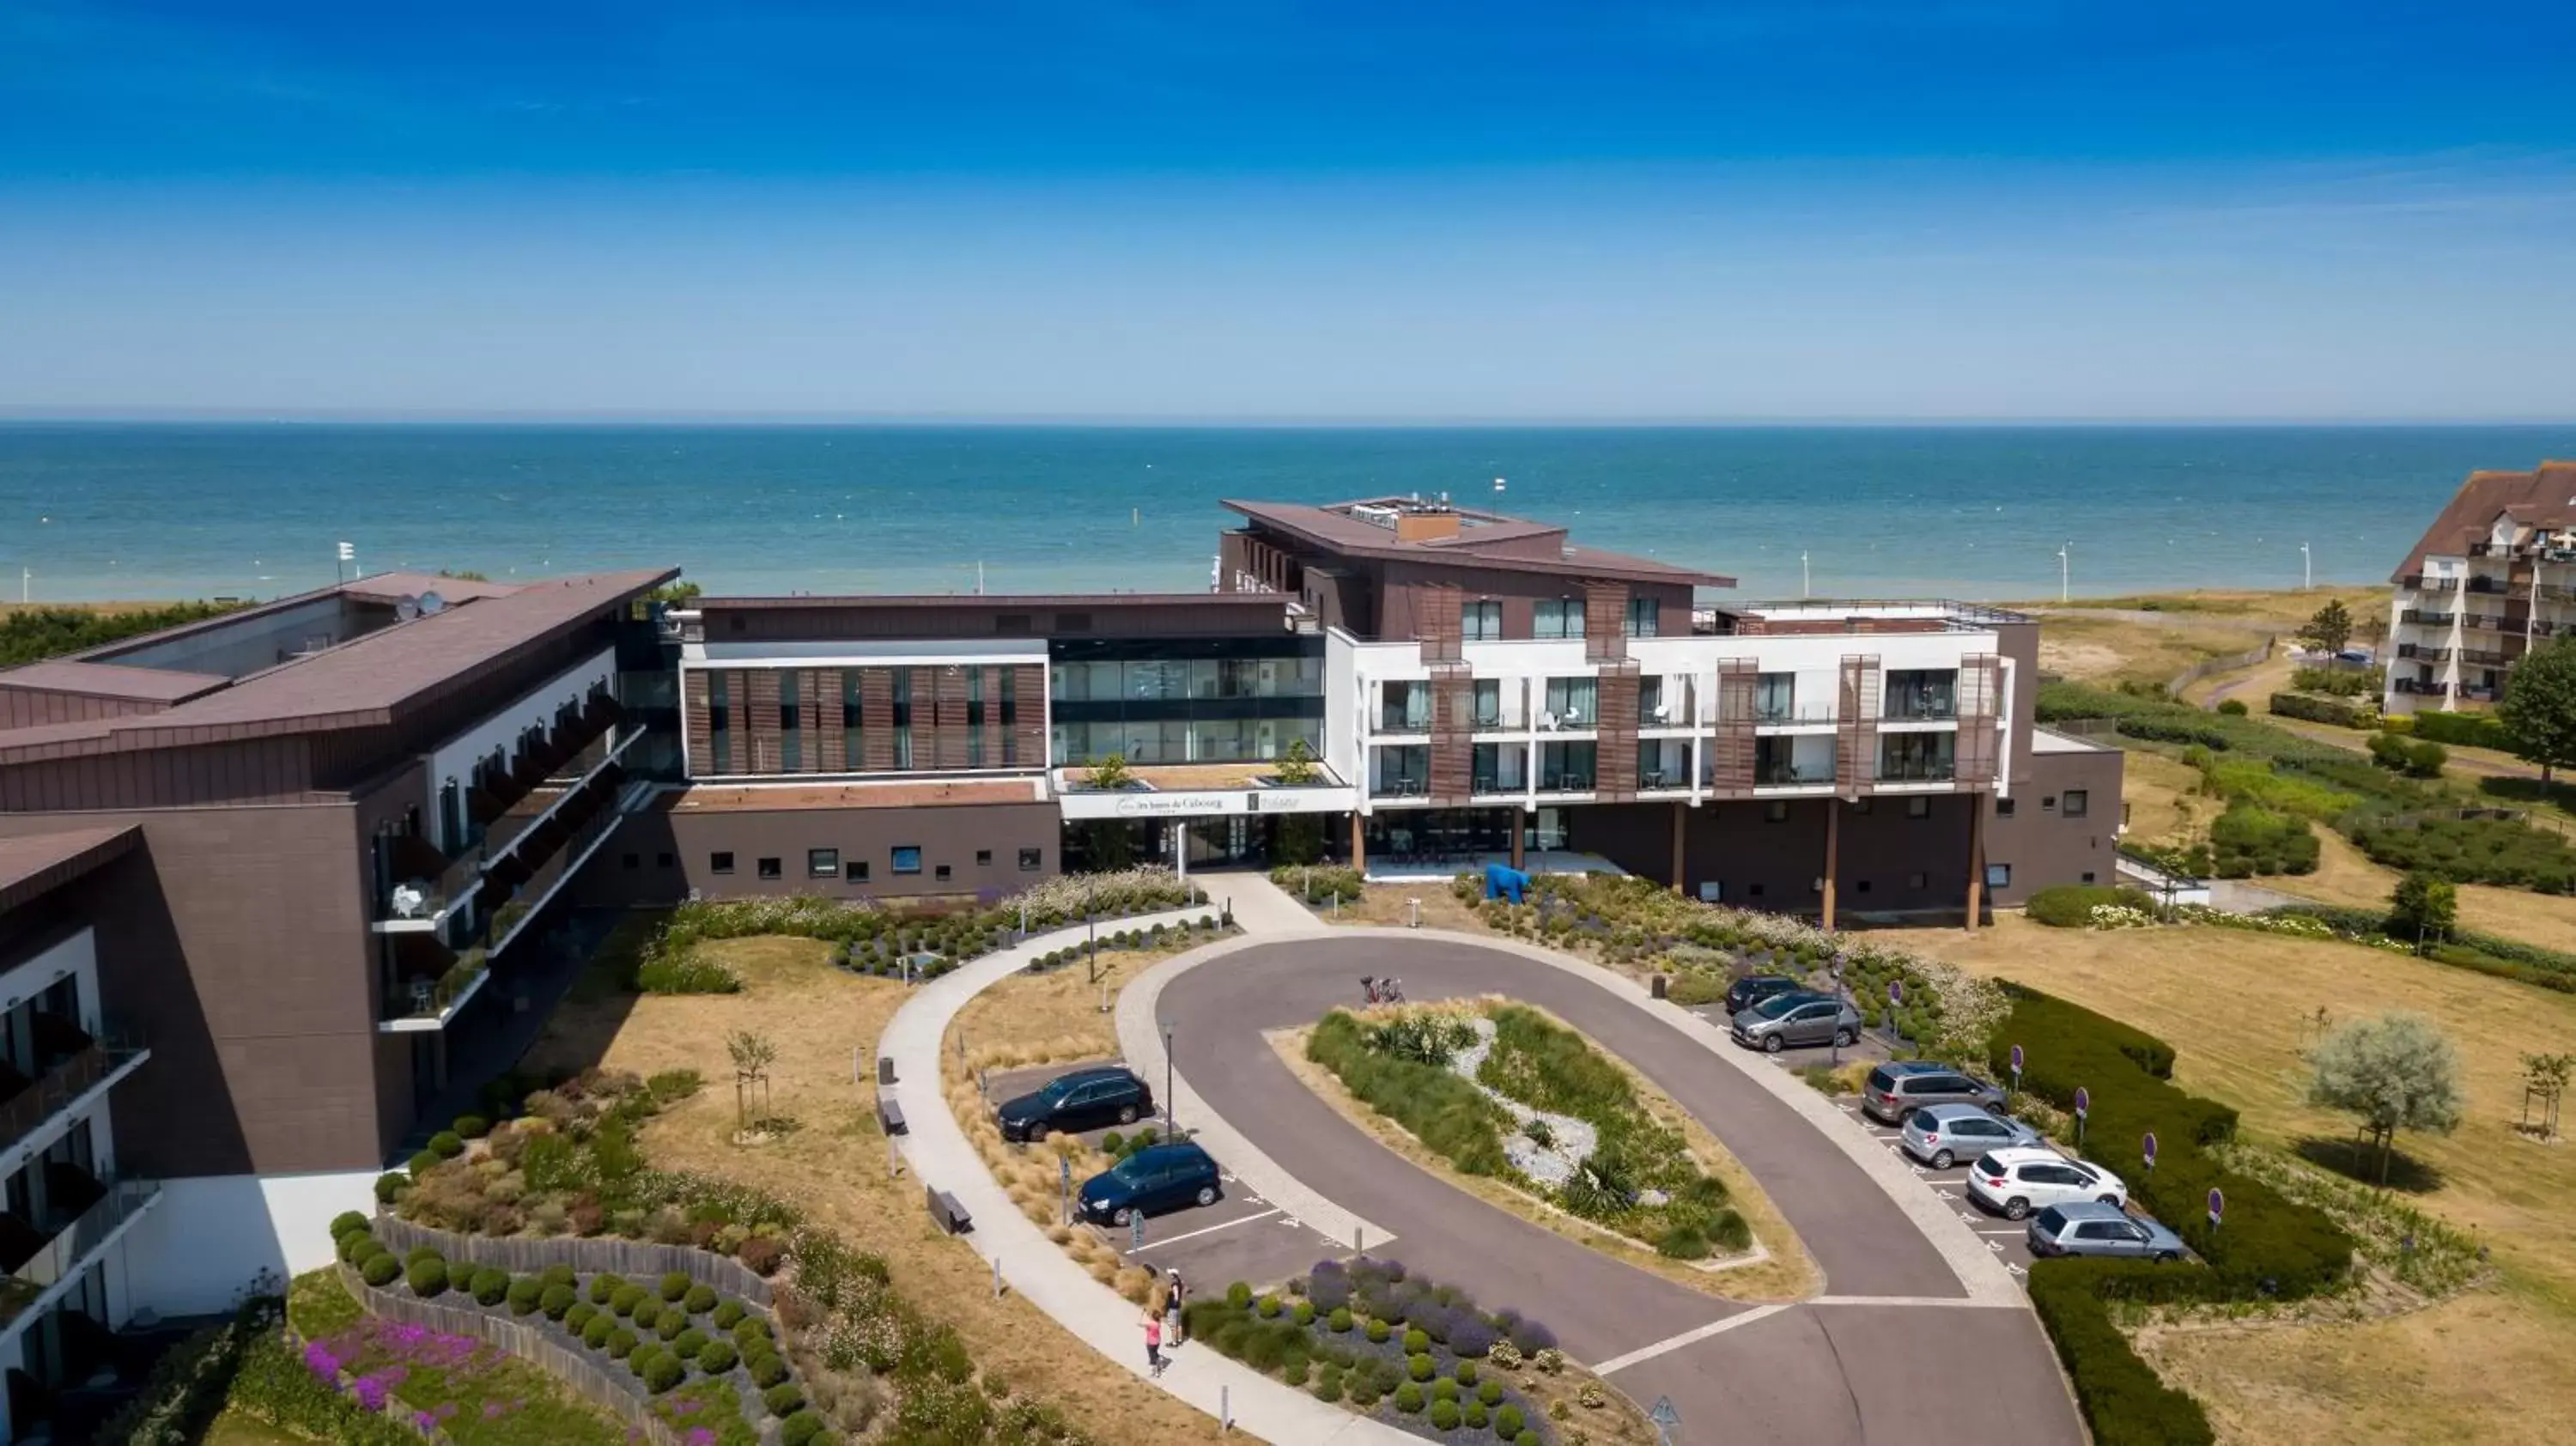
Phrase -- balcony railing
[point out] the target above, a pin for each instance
(68, 1252)
(1571, 780)
(1789, 775)
(1920, 708)
(1490, 785)
(2417, 652)
(1793, 713)
(1926, 770)
(1399, 787)
(2422, 583)
(1396, 718)
(23, 1113)
(2423, 619)
(2488, 623)
(2484, 657)
(2419, 688)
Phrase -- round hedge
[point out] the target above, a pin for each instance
(424, 1162)
(699, 1300)
(346, 1221)
(1466, 1373)
(1444, 1415)
(595, 1335)
(641, 1359)
(1444, 1389)
(1416, 1341)
(1408, 1398)
(389, 1187)
(578, 1319)
(665, 1372)
(1476, 1414)
(1305, 1312)
(625, 1299)
(420, 1253)
(800, 1429)
(1525, 1437)
(1378, 1332)
(727, 1315)
(718, 1357)
(689, 1343)
(751, 1328)
(523, 1295)
(427, 1279)
(1239, 1295)
(1508, 1422)
(556, 1300)
(380, 1269)
(489, 1285)
(558, 1275)
(604, 1288)
(783, 1399)
(1270, 1307)
(767, 1370)
(671, 1324)
(675, 1285)
(1421, 1367)
(355, 1246)
(1490, 1393)
(621, 1342)
(1339, 1322)
(446, 1145)
(472, 1127)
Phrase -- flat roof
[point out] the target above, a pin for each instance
(38, 863)
(1332, 527)
(736, 798)
(993, 600)
(111, 680)
(2043, 740)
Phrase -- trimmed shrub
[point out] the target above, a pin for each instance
(671, 1324)
(625, 1299)
(2070, 906)
(1269, 1307)
(783, 1399)
(2122, 1398)
(556, 1301)
(2233, 707)
(1444, 1389)
(1420, 1366)
(1490, 1393)
(718, 1357)
(767, 1368)
(347, 1222)
(1408, 1398)
(1378, 1332)
(1508, 1422)
(379, 1270)
(472, 1127)
(621, 1343)
(641, 1359)
(356, 1245)
(800, 1429)
(1471, 1337)
(1304, 1314)
(1465, 1375)
(558, 1275)
(2341, 712)
(728, 1314)
(446, 1145)
(1239, 1295)
(1339, 1322)
(690, 1344)
(427, 1278)
(750, 1329)
(1416, 1341)
(1444, 1415)
(390, 1186)
(489, 1285)
(665, 1372)
(675, 1286)
(604, 1288)
(595, 1335)
(699, 1300)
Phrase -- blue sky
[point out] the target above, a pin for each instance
(1286, 211)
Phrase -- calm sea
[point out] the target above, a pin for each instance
(162, 511)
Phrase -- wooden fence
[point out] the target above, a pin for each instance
(606, 1385)
(2251, 657)
(642, 1261)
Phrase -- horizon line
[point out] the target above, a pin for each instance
(642, 417)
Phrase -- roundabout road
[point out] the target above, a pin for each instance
(1896, 1350)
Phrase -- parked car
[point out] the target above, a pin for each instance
(1797, 1018)
(1083, 1100)
(1896, 1090)
(2085, 1227)
(1151, 1181)
(1752, 989)
(2017, 1182)
(1939, 1135)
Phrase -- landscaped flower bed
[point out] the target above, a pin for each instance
(706, 1362)
(1498, 1089)
(1161, 936)
(462, 1387)
(1410, 1352)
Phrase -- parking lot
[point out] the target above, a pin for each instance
(1240, 1237)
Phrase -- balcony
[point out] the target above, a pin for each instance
(88, 1065)
(2488, 623)
(1567, 780)
(2417, 652)
(1401, 786)
(1405, 717)
(2420, 618)
(2484, 657)
(2420, 582)
(1917, 770)
(1942, 708)
(1789, 714)
(1790, 775)
(59, 1248)
(2419, 688)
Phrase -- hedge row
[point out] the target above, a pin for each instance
(2472, 851)
(2341, 712)
(2071, 906)
(2462, 730)
(1442, 1110)
(2269, 1247)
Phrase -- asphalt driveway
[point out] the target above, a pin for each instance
(1894, 1351)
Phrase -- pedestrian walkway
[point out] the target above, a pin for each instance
(941, 1158)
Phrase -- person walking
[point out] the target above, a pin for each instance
(1153, 1344)
(1174, 1293)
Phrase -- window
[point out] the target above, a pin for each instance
(907, 860)
(1775, 698)
(1999, 876)
(633, 861)
(2075, 802)
(769, 869)
(1481, 621)
(940, 872)
(903, 717)
(2049, 801)
(720, 722)
(1918, 806)
(2003, 808)
(1404, 707)
(822, 863)
(984, 857)
(1916, 881)
(853, 754)
(720, 863)
(975, 716)
(1644, 613)
(1574, 701)
(855, 871)
(1559, 618)
(664, 861)
(1775, 811)
(791, 733)
(1031, 860)
(2088, 876)
(1010, 702)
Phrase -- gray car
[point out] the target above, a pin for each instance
(1899, 1088)
(2086, 1227)
(1786, 1019)
(1942, 1135)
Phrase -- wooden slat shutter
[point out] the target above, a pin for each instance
(1731, 762)
(1614, 757)
(1856, 734)
(1980, 746)
(1437, 612)
(762, 710)
(1453, 735)
(876, 719)
(1605, 621)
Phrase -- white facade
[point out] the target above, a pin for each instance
(2455, 627)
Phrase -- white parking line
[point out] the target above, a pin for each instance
(1670, 1344)
(1195, 1234)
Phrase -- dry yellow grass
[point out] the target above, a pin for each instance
(1063, 1014)
(1390, 906)
(2115, 640)
(2163, 799)
(2345, 876)
(835, 1164)
(1784, 1272)
(2239, 1009)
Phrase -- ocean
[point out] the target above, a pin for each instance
(94, 511)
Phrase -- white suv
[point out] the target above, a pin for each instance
(2016, 1182)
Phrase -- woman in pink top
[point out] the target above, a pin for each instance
(1153, 1343)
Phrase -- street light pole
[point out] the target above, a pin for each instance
(2307, 569)
(2064, 573)
(1171, 1120)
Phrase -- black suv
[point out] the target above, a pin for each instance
(1083, 1100)
(1752, 989)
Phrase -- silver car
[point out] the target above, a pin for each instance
(1942, 1135)
(2088, 1227)
(1786, 1019)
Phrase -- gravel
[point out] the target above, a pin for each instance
(1570, 1140)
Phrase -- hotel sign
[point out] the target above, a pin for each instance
(1206, 802)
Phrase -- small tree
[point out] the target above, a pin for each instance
(2544, 1082)
(2395, 1073)
(2539, 706)
(1110, 772)
(2329, 629)
(753, 1054)
(1296, 767)
(2424, 908)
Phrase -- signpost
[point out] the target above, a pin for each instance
(2083, 1107)
(2016, 1068)
(1838, 997)
(1135, 1231)
(1064, 1185)
(2151, 1152)
(2217, 1206)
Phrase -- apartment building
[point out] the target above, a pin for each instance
(262, 878)
(1469, 685)
(2491, 578)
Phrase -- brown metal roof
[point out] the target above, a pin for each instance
(708, 799)
(2544, 497)
(1338, 532)
(1094, 600)
(362, 682)
(392, 587)
(111, 680)
(38, 863)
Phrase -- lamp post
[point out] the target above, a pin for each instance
(2307, 569)
(1171, 1123)
(2064, 590)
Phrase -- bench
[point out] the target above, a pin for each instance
(947, 1213)
(890, 1115)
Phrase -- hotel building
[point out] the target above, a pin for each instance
(261, 878)
(2492, 578)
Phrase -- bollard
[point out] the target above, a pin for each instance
(1225, 1410)
(997, 1277)
(1659, 984)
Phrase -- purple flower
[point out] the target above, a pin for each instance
(319, 1360)
(491, 1410)
(701, 1436)
(424, 1420)
(370, 1391)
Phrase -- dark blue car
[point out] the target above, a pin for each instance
(1151, 1181)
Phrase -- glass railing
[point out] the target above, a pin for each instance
(52, 1092)
(1399, 787)
(1404, 720)
(72, 1245)
(1793, 713)
(1570, 780)
(1791, 776)
(1917, 770)
(1920, 707)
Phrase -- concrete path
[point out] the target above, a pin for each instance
(940, 1157)
(1922, 1334)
